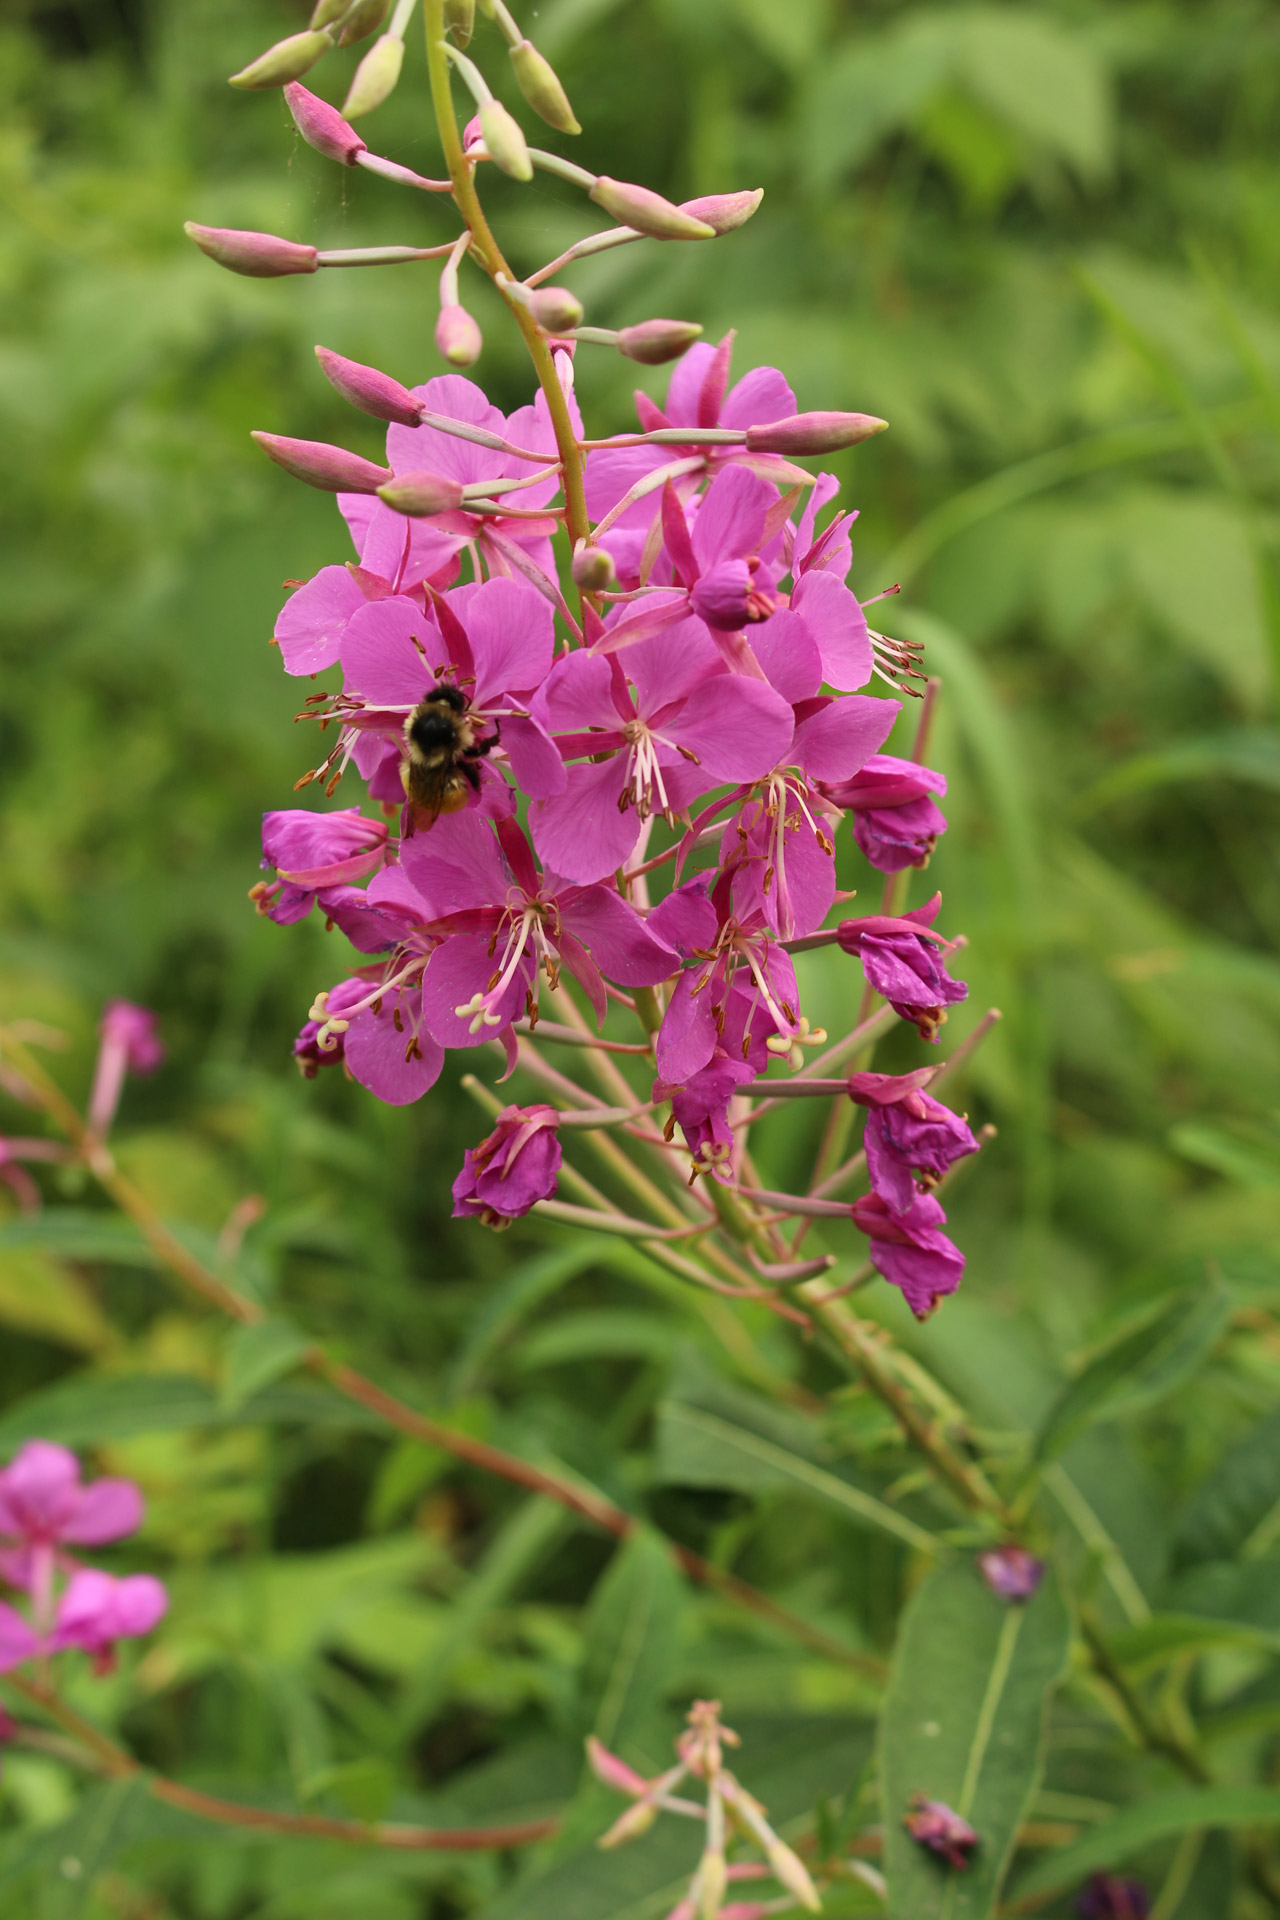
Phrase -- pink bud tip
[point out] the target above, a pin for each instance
(263, 256)
(724, 211)
(332, 469)
(133, 1029)
(814, 433)
(322, 126)
(653, 342)
(373, 392)
(611, 1771)
(458, 338)
(647, 211)
(419, 494)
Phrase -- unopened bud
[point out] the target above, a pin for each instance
(505, 141)
(653, 342)
(420, 494)
(540, 85)
(630, 1825)
(460, 20)
(593, 570)
(322, 126)
(287, 60)
(375, 78)
(813, 433)
(263, 256)
(458, 338)
(611, 1771)
(789, 1871)
(364, 18)
(724, 211)
(371, 391)
(713, 1878)
(332, 469)
(326, 12)
(647, 212)
(555, 309)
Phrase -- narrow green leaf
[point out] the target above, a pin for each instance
(1165, 1636)
(93, 1407)
(1237, 1508)
(1140, 1367)
(1251, 1158)
(963, 1722)
(632, 1639)
(696, 1448)
(255, 1356)
(1157, 1817)
(79, 1233)
(1247, 754)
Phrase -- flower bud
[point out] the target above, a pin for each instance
(375, 78)
(813, 433)
(611, 1771)
(723, 212)
(505, 141)
(420, 494)
(790, 1872)
(555, 309)
(540, 85)
(458, 338)
(322, 126)
(653, 342)
(1011, 1572)
(363, 19)
(287, 60)
(263, 256)
(593, 570)
(637, 1820)
(371, 391)
(326, 12)
(647, 212)
(332, 469)
(460, 20)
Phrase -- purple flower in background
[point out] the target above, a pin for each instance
(935, 1825)
(895, 820)
(44, 1506)
(320, 1043)
(96, 1610)
(313, 852)
(1108, 1897)
(901, 959)
(512, 1168)
(1011, 1572)
(908, 1250)
(129, 1043)
(908, 1133)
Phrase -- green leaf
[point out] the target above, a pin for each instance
(1157, 1817)
(633, 1630)
(80, 1233)
(1140, 1367)
(94, 1407)
(1237, 1508)
(71, 1855)
(1042, 80)
(1248, 754)
(963, 1722)
(363, 1788)
(1246, 1592)
(1166, 1636)
(1252, 1160)
(254, 1356)
(697, 1448)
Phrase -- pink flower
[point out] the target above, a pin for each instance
(313, 852)
(96, 1610)
(308, 1051)
(673, 723)
(1011, 1572)
(129, 1043)
(44, 1505)
(700, 1108)
(512, 1168)
(908, 1250)
(939, 1827)
(900, 960)
(895, 821)
(908, 1132)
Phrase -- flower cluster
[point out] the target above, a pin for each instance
(44, 1510)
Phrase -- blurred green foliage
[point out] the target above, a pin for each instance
(1042, 240)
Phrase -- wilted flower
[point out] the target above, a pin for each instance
(908, 1133)
(512, 1168)
(895, 820)
(1011, 1572)
(901, 959)
(908, 1250)
(939, 1827)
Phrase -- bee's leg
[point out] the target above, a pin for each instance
(482, 747)
(469, 773)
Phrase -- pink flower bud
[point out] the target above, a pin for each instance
(420, 494)
(814, 433)
(1011, 1572)
(724, 211)
(263, 256)
(458, 338)
(593, 570)
(460, 20)
(332, 469)
(555, 309)
(611, 1771)
(648, 212)
(540, 85)
(472, 134)
(790, 1872)
(505, 141)
(512, 1168)
(288, 60)
(322, 126)
(653, 342)
(375, 78)
(935, 1825)
(364, 18)
(373, 392)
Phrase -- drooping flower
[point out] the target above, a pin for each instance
(901, 959)
(935, 1825)
(512, 1168)
(671, 721)
(45, 1506)
(896, 822)
(1108, 1896)
(1011, 1572)
(700, 1108)
(128, 1043)
(911, 1139)
(909, 1250)
(311, 853)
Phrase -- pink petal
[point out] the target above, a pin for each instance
(17, 1640)
(740, 729)
(577, 695)
(839, 626)
(512, 639)
(313, 620)
(686, 919)
(613, 471)
(731, 516)
(580, 833)
(107, 1510)
(141, 1603)
(842, 736)
(619, 941)
(456, 972)
(760, 396)
(39, 1490)
(455, 865)
(788, 654)
(821, 494)
(687, 1037)
(535, 762)
(669, 665)
(375, 1051)
(379, 659)
(428, 450)
(685, 386)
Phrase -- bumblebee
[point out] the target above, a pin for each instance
(443, 746)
